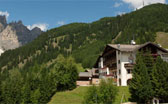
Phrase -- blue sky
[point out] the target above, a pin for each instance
(54, 13)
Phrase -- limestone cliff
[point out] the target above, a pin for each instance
(15, 34)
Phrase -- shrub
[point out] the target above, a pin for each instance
(105, 93)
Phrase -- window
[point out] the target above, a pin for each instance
(119, 82)
(118, 52)
(119, 71)
(128, 81)
(99, 65)
(116, 77)
(129, 71)
(118, 61)
(115, 73)
(97, 71)
(130, 60)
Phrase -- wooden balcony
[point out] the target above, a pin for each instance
(129, 65)
(109, 62)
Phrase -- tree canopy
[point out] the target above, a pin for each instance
(105, 93)
(149, 80)
(38, 83)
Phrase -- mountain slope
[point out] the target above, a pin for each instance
(162, 39)
(85, 42)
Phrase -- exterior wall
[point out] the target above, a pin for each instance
(95, 81)
(82, 83)
(118, 67)
(124, 76)
(108, 72)
(102, 72)
(165, 58)
(1, 51)
(159, 52)
(101, 62)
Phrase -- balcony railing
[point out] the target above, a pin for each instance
(129, 65)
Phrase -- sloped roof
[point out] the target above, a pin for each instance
(85, 74)
(124, 47)
(130, 48)
(156, 45)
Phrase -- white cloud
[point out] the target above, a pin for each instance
(120, 13)
(137, 4)
(117, 4)
(42, 26)
(4, 14)
(60, 23)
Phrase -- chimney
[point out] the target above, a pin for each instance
(118, 45)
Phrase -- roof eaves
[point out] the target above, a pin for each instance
(110, 45)
(143, 45)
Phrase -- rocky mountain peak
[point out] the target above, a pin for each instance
(15, 34)
(3, 20)
(19, 22)
(15, 23)
(36, 30)
(3, 23)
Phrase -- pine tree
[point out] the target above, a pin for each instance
(148, 60)
(160, 79)
(141, 87)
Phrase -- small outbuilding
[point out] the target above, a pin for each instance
(84, 79)
(89, 77)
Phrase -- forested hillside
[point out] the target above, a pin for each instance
(37, 84)
(85, 41)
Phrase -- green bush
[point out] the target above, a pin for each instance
(105, 93)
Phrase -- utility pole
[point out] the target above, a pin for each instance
(143, 3)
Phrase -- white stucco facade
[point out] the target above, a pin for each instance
(163, 56)
(1, 51)
(123, 75)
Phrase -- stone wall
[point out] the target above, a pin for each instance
(95, 81)
(82, 83)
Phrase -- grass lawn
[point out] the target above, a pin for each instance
(162, 38)
(76, 96)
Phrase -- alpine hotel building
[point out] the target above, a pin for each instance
(117, 60)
